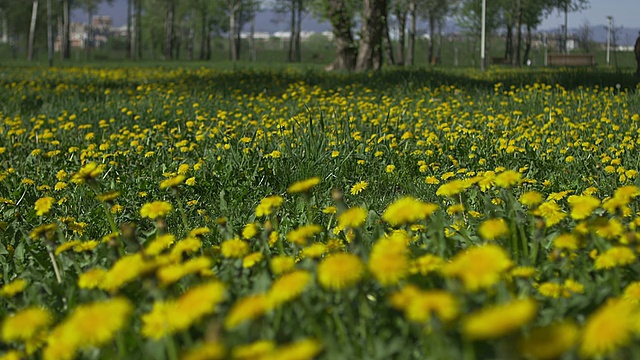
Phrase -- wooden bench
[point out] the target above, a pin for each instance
(571, 60)
(500, 61)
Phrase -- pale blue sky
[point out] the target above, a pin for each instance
(625, 13)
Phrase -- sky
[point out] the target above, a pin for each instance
(625, 13)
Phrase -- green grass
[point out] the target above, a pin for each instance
(470, 149)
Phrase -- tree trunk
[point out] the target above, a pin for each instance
(515, 60)
(439, 43)
(4, 26)
(32, 29)
(204, 37)
(341, 21)
(138, 28)
(411, 43)
(508, 48)
(66, 30)
(389, 47)
(89, 29)
(169, 30)
(401, 16)
(297, 42)
(191, 42)
(233, 13)
(128, 42)
(292, 37)
(527, 45)
(252, 31)
(370, 50)
(432, 38)
(49, 34)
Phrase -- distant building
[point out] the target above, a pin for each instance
(102, 29)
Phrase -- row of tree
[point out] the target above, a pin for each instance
(361, 28)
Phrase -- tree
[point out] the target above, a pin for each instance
(340, 14)
(32, 29)
(374, 13)
(169, 24)
(233, 8)
(585, 36)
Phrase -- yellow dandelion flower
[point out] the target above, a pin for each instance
(493, 229)
(432, 180)
(426, 264)
(252, 259)
(91, 278)
(582, 206)
(614, 257)
(281, 264)
(566, 242)
(300, 235)
(234, 248)
(358, 187)
(303, 186)
(123, 271)
(424, 305)
(156, 209)
(389, 260)
(453, 188)
(499, 320)
(478, 267)
(13, 288)
(268, 205)
(288, 287)
(172, 182)
(250, 230)
(407, 210)
(206, 351)
(25, 324)
(352, 218)
(523, 271)
(632, 292)
(339, 271)
(246, 309)
(159, 244)
(300, 350)
(43, 205)
(550, 289)
(608, 328)
(66, 246)
(314, 250)
(549, 342)
(551, 212)
(507, 179)
(330, 210)
(255, 350)
(531, 198)
(87, 173)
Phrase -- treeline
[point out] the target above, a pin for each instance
(361, 28)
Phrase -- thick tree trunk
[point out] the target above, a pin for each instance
(138, 28)
(515, 59)
(341, 21)
(191, 41)
(204, 37)
(389, 47)
(370, 50)
(252, 30)
(233, 50)
(432, 39)
(4, 27)
(49, 33)
(411, 42)
(508, 49)
(527, 45)
(169, 30)
(298, 40)
(129, 39)
(292, 37)
(89, 29)
(401, 16)
(32, 29)
(66, 30)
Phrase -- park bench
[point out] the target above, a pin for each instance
(500, 61)
(571, 60)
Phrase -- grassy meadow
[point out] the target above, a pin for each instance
(197, 213)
